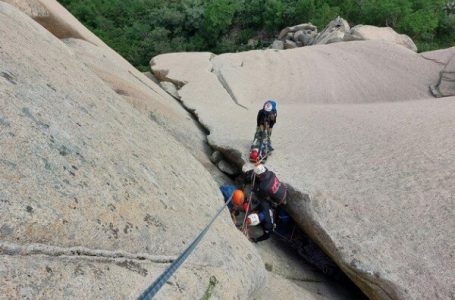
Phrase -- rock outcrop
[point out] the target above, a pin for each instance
(365, 149)
(296, 36)
(337, 30)
(368, 32)
(334, 32)
(445, 84)
(96, 196)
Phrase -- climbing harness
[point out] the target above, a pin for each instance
(160, 281)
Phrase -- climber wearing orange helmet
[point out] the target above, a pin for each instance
(266, 186)
(231, 191)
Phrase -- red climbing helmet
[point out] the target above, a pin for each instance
(254, 154)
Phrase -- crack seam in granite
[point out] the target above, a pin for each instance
(13, 249)
(225, 85)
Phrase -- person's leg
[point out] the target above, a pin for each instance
(269, 138)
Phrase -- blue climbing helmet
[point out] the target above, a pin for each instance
(270, 106)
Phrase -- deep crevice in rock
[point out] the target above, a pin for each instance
(234, 157)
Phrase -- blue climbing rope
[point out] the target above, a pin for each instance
(164, 277)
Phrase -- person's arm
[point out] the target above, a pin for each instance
(258, 118)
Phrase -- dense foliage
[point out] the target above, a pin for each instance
(141, 29)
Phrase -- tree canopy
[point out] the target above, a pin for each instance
(141, 29)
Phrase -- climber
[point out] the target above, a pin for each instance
(237, 195)
(267, 186)
(264, 216)
(265, 120)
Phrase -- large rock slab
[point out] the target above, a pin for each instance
(367, 153)
(96, 199)
(368, 32)
(143, 94)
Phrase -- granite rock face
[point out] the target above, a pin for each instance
(368, 32)
(365, 149)
(96, 197)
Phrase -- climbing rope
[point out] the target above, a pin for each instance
(164, 277)
(250, 197)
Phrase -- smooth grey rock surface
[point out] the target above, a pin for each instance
(368, 32)
(96, 198)
(367, 152)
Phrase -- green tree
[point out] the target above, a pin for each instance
(218, 16)
(273, 15)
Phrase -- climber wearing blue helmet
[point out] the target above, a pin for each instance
(266, 118)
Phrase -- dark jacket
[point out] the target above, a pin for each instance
(266, 118)
(268, 187)
(267, 223)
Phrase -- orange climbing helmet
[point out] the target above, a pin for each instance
(238, 197)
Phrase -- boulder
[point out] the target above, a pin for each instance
(277, 45)
(333, 33)
(288, 44)
(367, 32)
(305, 36)
(364, 148)
(303, 27)
(283, 33)
(96, 198)
(216, 157)
(227, 168)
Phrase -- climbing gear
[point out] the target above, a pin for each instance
(238, 197)
(245, 228)
(259, 169)
(246, 206)
(253, 219)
